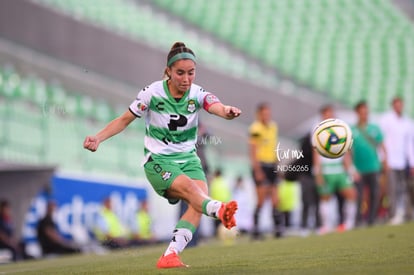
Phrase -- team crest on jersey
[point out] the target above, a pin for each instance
(191, 106)
(141, 106)
(165, 175)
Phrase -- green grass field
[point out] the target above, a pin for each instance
(377, 250)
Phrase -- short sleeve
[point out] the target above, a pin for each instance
(207, 99)
(380, 136)
(254, 133)
(140, 105)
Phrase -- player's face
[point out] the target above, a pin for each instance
(182, 74)
(266, 115)
(328, 113)
(363, 113)
(398, 106)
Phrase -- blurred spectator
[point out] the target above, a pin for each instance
(143, 229)
(110, 231)
(368, 139)
(310, 195)
(262, 151)
(333, 177)
(243, 214)
(287, 197)
(49, 237)
(7, 238)
(410, 182)
(398, 138)
(219, 190)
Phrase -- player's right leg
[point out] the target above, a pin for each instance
(347, 190)
(189, 190)
(170, 181)
(261, 197)
(276, 214)
(324, 208)
(194, 192)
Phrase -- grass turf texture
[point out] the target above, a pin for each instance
(376, 250)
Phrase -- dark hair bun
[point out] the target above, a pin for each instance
(177, 45)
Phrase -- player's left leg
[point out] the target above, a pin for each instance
(261, 196)
(372, 180)
(347, 190)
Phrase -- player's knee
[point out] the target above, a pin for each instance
(325, 197)
(189, 190)
(350, 194)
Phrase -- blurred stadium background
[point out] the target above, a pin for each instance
(67, 67)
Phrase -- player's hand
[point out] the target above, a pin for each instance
(319, 180)
(231, 112)
(91, 143)
(356, 177)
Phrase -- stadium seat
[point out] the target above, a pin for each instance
(340, 48)
(57, 122)
(139, 21)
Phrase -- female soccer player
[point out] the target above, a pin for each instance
(172, 167)
(335, 176)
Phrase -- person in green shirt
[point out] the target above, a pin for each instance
(368, 140)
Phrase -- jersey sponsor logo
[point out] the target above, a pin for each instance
(159, 106)
(191, 106)
(177, 121)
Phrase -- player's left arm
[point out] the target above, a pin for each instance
(224, 111)
(213, 105)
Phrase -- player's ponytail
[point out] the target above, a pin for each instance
(177, 52)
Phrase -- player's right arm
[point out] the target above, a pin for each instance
(114, 127)
(137, 108)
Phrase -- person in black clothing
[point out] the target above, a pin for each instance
(48, 236)
(310, 195)
(7, 238)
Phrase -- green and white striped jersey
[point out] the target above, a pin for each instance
(171, 124)
(332, 166)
